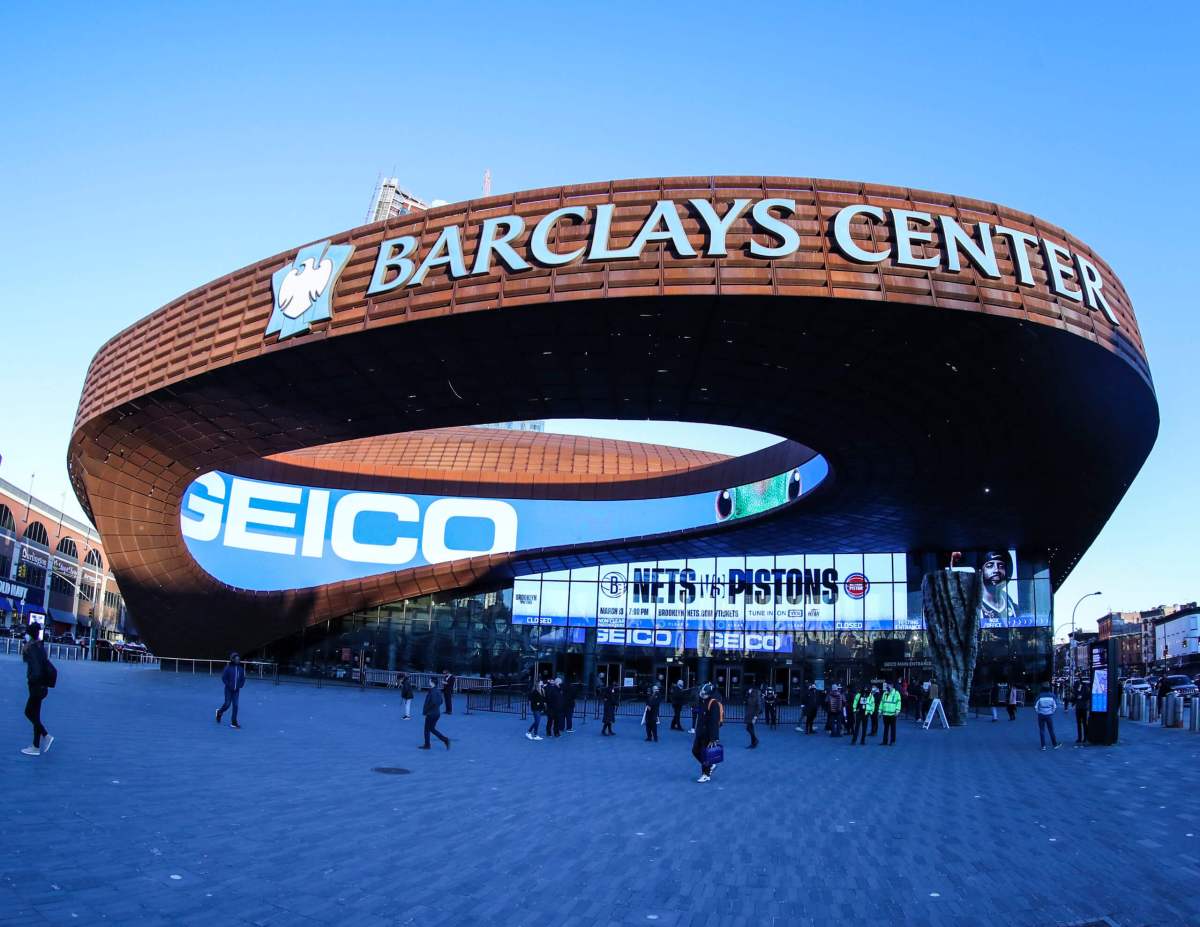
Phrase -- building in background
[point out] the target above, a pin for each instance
(538, 426)
(1177, 640)
(54, 566)
(391, 200)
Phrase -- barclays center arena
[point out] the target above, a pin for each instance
(287, 461)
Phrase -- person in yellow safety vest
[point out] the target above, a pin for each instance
(864, 707)
(890, 709)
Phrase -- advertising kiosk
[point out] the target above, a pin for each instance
(1106, 695)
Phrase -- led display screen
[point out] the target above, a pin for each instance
(266, 536)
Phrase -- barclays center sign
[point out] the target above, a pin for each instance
(503, 240)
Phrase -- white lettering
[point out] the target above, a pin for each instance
(346, 512)
(845, 241)
(446, 251)
(433, 537)
(242, 513)
(789, 237)
(983, 255)
(905, 236)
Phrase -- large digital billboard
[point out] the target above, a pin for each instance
(265, 536)
(722, 603)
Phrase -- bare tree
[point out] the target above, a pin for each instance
(951, 609)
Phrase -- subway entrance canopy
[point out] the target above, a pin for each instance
(285, 444)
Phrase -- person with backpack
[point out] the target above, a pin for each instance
(708, 728)
(406, 693)
(537, 704)
(1046, 706)
(889, 710)
(40, 677)
(234, 677)
(753, 710)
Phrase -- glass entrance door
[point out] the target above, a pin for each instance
(607, 673)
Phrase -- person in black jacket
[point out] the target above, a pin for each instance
(234, 677)
(537, 704)
(812, 705)
(432, 710)
(753, 709)
(1083, 705)
(678, 697)
(554, 708)
(653, 704)
(406, 693)
(448, 691)
(770, 700)
(611, 699)
(708, 728)
(37, 678)
(569, 694)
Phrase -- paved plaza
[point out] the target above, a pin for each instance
(146, 812)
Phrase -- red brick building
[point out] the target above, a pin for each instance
(54, 565)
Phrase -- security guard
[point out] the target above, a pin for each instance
(864, 707)
(890, 709)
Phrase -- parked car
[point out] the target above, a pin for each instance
(1137, 684)
(1181, 685)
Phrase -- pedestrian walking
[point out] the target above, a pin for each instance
(1045, 706)
(570, 691)
(708, 728)
(611, 700)
(753, 710)
(889, 709)
(406, 693)
(234, 677)
(812, 704)
(696, 707)
(834, 706)
(431, 711)
(876, 698)
(650, 716)
(40, 678)
(995, 699)
(863, 708)
(448, 691)
(771, 706)
(537, 705)
(1014, 699)
(1083, 706)
(678, 697)
(554, 708)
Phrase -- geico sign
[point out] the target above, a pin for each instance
(291, 521)
(1068, 274)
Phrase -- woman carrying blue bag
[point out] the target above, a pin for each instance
(706, 747)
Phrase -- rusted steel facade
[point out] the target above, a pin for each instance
(955, 408)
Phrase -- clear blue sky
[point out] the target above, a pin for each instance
(150, 148)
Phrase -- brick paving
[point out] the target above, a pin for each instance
(146, 812)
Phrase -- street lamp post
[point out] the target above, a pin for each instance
(1074, 646)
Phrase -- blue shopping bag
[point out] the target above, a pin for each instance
(713, 754)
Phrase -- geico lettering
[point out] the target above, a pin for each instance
(270, 518)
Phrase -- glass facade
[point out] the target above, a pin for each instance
(558, 623)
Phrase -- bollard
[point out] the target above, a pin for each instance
(1170, 710)
(1193, 713)
(1152, 708)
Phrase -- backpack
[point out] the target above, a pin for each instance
(50, 675)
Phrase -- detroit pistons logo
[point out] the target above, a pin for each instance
(857, 585)
(303, 289)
